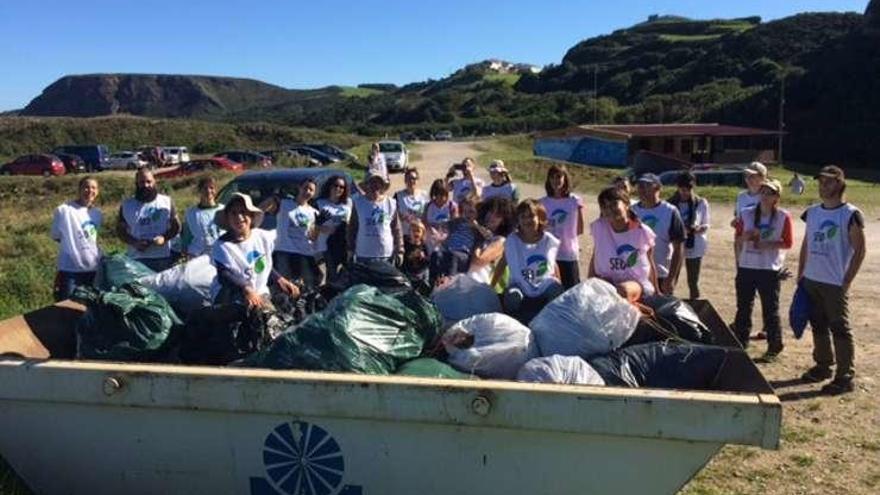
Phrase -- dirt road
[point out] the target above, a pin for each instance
(830, 445)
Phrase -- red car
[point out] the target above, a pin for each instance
(45, 165)
(216, 164)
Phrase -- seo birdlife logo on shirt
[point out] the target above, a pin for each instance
(558, 217)
(650, 221)
(301, 220)
(536, 266)
(150, 215)
(766, 231)
(377, 216)
(827, 231)
(442, 216)
(258, 260)
(627, 257)
(89, 230)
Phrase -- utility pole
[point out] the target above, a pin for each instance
(781, 118)
(595, 94)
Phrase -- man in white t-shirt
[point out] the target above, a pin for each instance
(75, 227)
(831, 256)
(147, 222)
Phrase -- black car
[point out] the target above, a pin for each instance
(247, 158)
(72, 163)
(263, 184)
(335, 151)
(310, 152)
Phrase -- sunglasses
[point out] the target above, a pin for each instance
(339, 186)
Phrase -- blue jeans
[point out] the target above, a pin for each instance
(67, 282)
(523, 307)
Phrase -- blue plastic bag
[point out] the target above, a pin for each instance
(799, 313)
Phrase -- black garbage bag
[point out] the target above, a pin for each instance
(223, 333)
(130, 323)
(662, 365)
(363, 330)
(118, 269)
(375, 273)
(672, 317)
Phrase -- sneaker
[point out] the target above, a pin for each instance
(768, 357)
(816, 374)
(838, 386)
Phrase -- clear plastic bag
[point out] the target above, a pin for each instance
(570, 370)
(186, 286)
(589, 319)
(490, 346)
(463, 297)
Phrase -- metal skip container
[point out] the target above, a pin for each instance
(73, 427)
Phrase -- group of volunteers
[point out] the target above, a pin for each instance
(527, 249)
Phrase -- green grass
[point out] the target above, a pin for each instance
(688, 38)
(355, 92)
(508, 79)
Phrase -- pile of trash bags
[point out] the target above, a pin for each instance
(372, 319)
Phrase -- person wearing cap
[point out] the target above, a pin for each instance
(467, 184)
(694, 212)
(374, 232)
(565, 220)
(243, 257)
(501, 184)
(755, 174)
(831, 255)
(199, 232)
(665, 220)
(765, 232)
(411, 202)
(147, 222)
(75, 226)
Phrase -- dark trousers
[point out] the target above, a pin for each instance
(692, 265)
(447, 263)
(570, 273)
(295, 266)
(766, 283)
(67, 282)
(157, 264)
(524, 308)
(829, 318)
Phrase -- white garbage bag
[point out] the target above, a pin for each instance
(589, 319)
(570, 370)
(490, 346)
(463, 296)
(187, 287)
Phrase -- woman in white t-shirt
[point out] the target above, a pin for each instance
(199, 232)
(623, 247)
(501, 185)
(75, 227)
(243, 257)
(295, 248)
(334, 211)
(411, 202)
(530, 253)
(694, 212)
(467, 184)
(565, 220)
(376, 160)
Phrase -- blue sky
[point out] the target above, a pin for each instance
(306, 44)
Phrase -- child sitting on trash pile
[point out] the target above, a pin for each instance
(465, 235)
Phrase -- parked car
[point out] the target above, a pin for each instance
(216, 164)
(42, 164)
(263, 184)
(72, 163)
(278, 154)
(443, 136)
(395, 153)
(322, 157)
(333, 150)
(96, 156)
(247, 158)
(407, 137)
(176, 154)
(126, 160)
(709, 177)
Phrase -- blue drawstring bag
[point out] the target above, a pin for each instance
(799, 313)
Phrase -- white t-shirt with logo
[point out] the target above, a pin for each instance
(665, 221)
(199, 222)
(744, 201)
(771, 228)
(701, 219)
(461, 188)
(294, 221)
(532, 266)
(337, 213)
(506, 190)
(374, 236)
(410, 207)
(562, 222)
(438, 217)
(830, 251)
(76, 228)
(249, 260)
(145, 222)
(623, 256)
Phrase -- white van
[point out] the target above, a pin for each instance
(176, 154)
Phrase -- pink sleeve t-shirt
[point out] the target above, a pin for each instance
(623, 256)
(562, 222)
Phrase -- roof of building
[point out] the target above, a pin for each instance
(660, 130)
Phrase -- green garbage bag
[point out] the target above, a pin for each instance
(118, 269)
(362, 330)
(130, 323)
(431, 368)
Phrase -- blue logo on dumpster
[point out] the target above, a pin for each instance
(302, 459)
